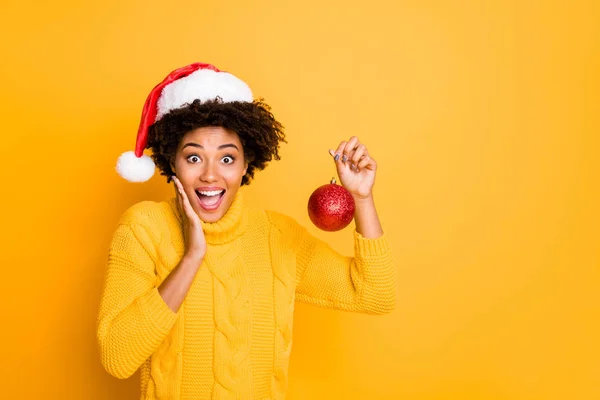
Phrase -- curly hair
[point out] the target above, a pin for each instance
(259, 132)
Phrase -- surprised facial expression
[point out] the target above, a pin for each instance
(210, 164)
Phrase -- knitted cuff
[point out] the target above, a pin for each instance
(157, 311)
(364, 247)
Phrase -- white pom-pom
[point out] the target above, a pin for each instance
(135, 169)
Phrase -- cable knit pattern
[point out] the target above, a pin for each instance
(283, 261)
(232, 336)
(233, 312)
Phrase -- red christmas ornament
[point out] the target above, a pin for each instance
(331, 207)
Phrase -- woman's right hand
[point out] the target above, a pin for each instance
(195, 242)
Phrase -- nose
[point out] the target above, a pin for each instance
(209, 173)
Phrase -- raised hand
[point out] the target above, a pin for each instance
(355, 167)
(195, 242)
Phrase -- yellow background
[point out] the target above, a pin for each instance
(483, 116)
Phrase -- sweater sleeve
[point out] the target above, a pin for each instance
(133, 319)
(365, 282)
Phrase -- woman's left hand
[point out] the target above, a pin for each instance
(355, 167)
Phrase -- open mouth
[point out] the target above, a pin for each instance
(210, 200)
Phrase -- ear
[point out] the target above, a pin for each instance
(245, 168)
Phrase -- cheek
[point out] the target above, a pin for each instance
(234, 175)
(184, 169)
(187, 176)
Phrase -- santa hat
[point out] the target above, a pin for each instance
(181, 87)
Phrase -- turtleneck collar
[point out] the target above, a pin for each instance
(230, 226)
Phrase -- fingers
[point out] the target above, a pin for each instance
(178, 195)
(183, 199)
(346, 149)
(353, 154)
(368, 163)
(350, 148)
(339, 152)
(358, 154)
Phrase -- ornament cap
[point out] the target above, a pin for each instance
(333, 180)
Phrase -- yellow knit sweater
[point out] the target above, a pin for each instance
(232, 336)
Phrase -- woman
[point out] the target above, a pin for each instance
(200, 289)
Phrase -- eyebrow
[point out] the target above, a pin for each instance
(223, 146)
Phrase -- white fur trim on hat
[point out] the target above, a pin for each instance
(203, 84)
(135, 169)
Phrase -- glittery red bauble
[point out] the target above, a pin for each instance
(331, 207)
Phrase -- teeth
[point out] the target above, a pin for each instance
(210, 193)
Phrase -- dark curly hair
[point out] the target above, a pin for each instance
(259, 132)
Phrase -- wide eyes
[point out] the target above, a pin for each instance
(195, 159)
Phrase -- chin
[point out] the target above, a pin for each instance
(210, 218)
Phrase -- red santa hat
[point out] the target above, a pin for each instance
(196, 81)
